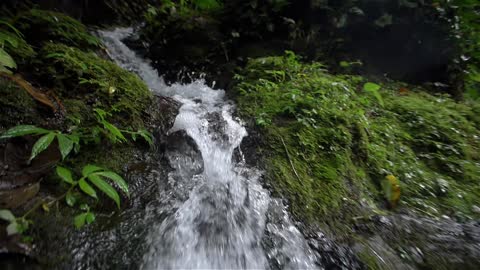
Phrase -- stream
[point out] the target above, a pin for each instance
(215, 213)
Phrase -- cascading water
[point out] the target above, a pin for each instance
(217, 212)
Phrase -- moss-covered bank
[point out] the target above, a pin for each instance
(65, 82)
(336, 148)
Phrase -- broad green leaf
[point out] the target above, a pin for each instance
(65, 145)
(6, 60)
(70, 199)
(87, 170)
(90, 217)
(115, 178)
(13, 228)
(12, 40)
(6, 215)
(373, 88)
(5, 70)
(42, 144)
(22, 131)
(22, 225)
(85, 187)
(79, 220)
(105, 188)
(369, 86)
(65, 174)
(391, 190)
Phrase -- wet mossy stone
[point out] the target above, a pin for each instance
(96, 82)
(16, 106)
(40, 26)
(329, 143)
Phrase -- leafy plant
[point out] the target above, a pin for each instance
(16, 225)
(66, 142)
(95, 175)
(115, 134)
(373, 89)
(86, 217)
(6, 61)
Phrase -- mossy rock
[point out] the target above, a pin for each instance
(330, 143)
(16, 106)
(95, 82)
(40, 26)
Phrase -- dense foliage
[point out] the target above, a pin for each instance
(96, 105)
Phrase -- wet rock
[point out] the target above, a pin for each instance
(19, 178)
(422, 242)
(476, 209)
(179, 145)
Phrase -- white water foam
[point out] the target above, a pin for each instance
(223, 223)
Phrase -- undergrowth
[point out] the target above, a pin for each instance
(78, 75)
(40, 26)
(330, 144)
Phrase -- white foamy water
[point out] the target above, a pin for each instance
(222, 221)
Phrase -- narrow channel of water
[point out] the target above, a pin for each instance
(223, 218)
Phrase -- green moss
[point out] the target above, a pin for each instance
(98, 83)
(16, 106)
(41, 26)
(342, 143)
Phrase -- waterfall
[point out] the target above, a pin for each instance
(222, 217)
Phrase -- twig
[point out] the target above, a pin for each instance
(289, 159)
(36, 94)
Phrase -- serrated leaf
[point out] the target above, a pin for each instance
(65, 145)
(6, 215)
(90, 217)
(105, 188)
(85, 187)
(23, 130)
(42, 144)
(89, 169)
(13, 228)
(115, 178)
(65, 174)
(70, 199)
(79, 220)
